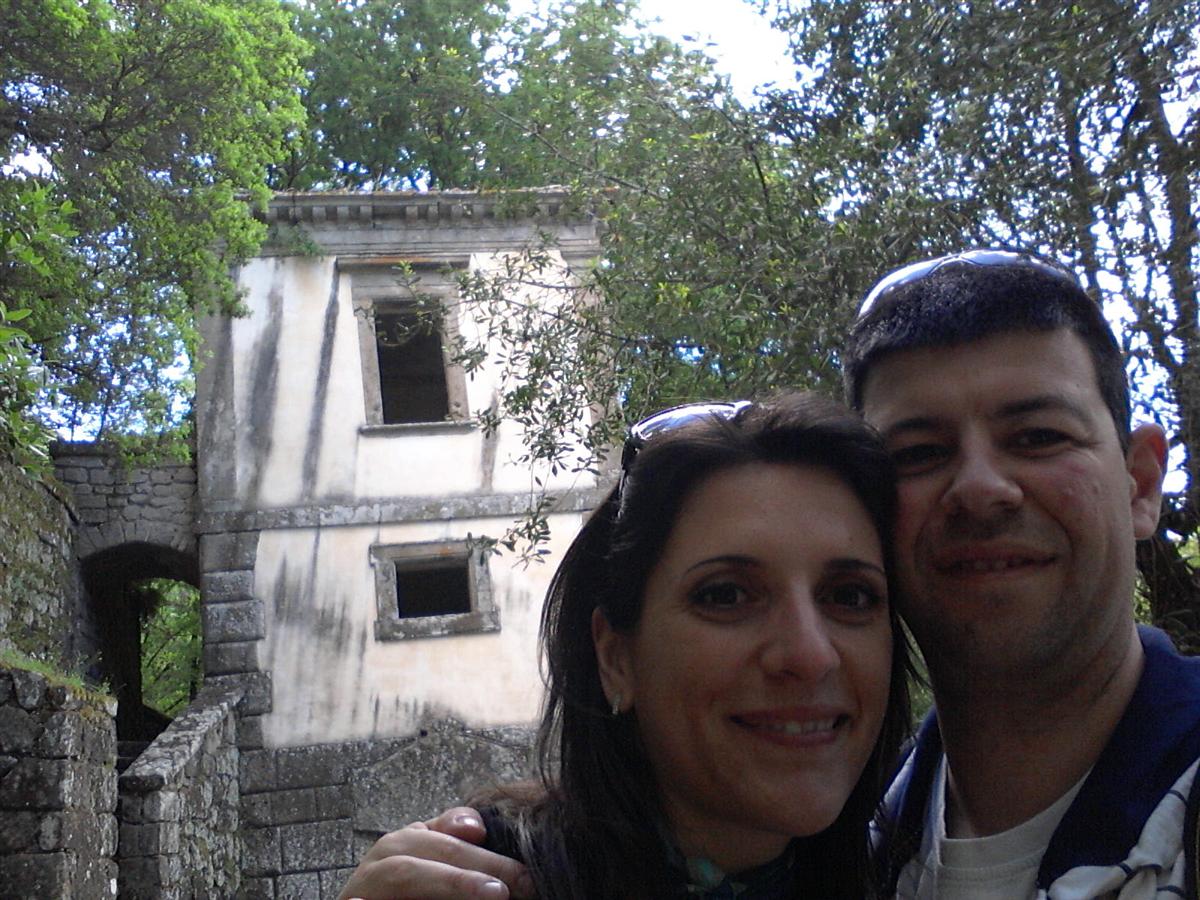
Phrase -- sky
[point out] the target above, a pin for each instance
(732, 32)
(741, 41)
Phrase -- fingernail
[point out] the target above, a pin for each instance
(493, 889)
(468, 820)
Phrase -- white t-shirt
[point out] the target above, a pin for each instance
(1000, 866)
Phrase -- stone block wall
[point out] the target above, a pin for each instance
(116, 506)
(39, 591)
(179, 807)
(309, 813)
(233, 621)
(58, 790)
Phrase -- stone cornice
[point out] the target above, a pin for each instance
(458, 207)
(436, 227)
(395, 510)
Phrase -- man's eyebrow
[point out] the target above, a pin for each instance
(1015, 409)
(1045, 403)
(912, 423)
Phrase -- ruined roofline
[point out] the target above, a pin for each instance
(459, 206)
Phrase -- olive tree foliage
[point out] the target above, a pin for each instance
(416, 94)
(392, 92)
(720, 274)
(1067, 128)
(130, 135)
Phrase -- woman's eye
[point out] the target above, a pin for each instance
(722, 595)
(855, 597)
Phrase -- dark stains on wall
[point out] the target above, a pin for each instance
(285, 594)
(294, 602)
(216, 416)
(316, 418)
(264, 383)
(491, 440)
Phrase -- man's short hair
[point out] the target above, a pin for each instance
(957, 301)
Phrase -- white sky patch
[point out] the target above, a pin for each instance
(26, 164)
(743, 43)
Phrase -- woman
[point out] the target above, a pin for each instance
(727, 679)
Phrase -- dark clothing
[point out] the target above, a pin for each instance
(1139, 774)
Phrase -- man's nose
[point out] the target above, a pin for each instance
(981, 484)
(798, 643)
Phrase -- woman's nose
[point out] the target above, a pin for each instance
(798, 643)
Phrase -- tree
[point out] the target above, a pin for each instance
(739, 240)
(171, 658)
(461, 94)
(131, 134)
(393, 92)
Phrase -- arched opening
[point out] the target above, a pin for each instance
(144, 599)
(172, 668)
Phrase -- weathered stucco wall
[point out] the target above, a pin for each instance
(295, 470)
(333, 681)
(294, 410)
(39, 581)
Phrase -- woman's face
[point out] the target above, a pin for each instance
(759, 668)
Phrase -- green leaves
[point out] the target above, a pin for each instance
(131, 133)
(171, 645)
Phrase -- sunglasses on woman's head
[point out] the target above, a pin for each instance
(914, 272)
(668, 420)
(675, 417)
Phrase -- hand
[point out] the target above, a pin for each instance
(435, 860)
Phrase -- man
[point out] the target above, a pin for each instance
(1065, 741)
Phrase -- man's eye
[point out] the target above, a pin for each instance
(1039, 438)
(722, 595)
(916, 457)
(855, 597)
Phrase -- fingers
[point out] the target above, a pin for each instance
(461, 822)
(410, 878)
(437, 859)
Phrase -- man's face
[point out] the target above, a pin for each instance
(1018, 508)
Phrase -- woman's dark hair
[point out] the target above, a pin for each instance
(598, 832)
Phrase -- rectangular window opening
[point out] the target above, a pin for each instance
(433, 589)
(412, 371)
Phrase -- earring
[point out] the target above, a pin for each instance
(616, 705)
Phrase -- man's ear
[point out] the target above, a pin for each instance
(614, 658)
(1146, 462)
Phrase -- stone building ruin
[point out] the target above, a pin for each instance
(365, 664)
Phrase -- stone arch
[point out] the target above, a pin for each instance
(168, 537)
(110, 579)
(118, 505)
